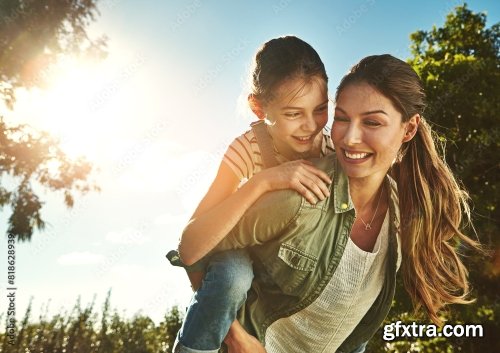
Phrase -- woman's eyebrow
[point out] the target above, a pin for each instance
(378, 111)
(342, 110)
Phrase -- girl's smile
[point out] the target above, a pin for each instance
(297, 115)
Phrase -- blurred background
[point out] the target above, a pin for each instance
(115, 115)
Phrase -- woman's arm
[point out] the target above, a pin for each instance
(239, 341)
(222, 207)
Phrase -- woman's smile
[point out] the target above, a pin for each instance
(367, 131)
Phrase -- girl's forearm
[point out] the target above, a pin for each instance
(205, 231)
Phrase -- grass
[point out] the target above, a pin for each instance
(84, 330)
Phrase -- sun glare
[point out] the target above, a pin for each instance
(67, 108)
(104, 111)
(72, 107)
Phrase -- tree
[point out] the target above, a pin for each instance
(460, 67)
(34, 35)
(459, 64)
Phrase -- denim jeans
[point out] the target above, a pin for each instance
(214, 305)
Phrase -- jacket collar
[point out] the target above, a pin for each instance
(341, 195)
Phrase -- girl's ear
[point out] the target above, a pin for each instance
(411, 127)
(256, 106)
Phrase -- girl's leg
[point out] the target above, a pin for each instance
(214, 306)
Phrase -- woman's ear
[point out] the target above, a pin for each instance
(411, 127)
(256, 106)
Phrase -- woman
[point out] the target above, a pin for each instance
(333, 264)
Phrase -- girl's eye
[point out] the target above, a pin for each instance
(322, 109)
(292, 115)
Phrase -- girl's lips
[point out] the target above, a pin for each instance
(304, 139)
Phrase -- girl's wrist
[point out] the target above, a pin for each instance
(259, 184)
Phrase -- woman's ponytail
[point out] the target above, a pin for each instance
(432, 205)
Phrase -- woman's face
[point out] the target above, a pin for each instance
(367, 131)
(297, 114)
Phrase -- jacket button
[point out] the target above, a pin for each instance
(344, 206)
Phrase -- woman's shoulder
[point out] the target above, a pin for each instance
(326, 163)
(392, 187)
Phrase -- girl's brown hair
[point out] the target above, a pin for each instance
(280, 59)
(431, 200)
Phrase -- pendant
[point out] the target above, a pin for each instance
(368, 226)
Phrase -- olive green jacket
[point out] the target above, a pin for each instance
(296, 248)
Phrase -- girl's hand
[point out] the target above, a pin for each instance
(299, 175)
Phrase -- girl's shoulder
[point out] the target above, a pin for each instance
(243, 155)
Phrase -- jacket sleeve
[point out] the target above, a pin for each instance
(268, 217)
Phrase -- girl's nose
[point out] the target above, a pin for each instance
(310, 124)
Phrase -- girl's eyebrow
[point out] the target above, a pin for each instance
(379, 111)
(299, 108)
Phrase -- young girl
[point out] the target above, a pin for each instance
(289, 93)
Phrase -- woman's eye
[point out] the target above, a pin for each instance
(340, 118)
(371, 123)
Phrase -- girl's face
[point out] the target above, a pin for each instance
(367, 131)
(298, 113)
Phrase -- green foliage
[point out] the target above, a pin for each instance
(28, 157)
(81, 331)
(459, 65)
(33, 36)
(35, 33)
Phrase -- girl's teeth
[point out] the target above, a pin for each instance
(304, 138)
(355, 155)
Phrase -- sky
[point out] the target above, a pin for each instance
(155, 118)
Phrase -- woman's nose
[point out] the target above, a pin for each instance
(352, 135)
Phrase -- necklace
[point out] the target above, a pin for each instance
(368, 225)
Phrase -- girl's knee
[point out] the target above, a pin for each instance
(231, 273)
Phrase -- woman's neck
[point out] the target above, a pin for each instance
(365, 191)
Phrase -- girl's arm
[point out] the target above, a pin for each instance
(224, 204)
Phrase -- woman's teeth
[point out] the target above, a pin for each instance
(306, 138)
(355, 155)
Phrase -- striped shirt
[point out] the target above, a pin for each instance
(243, 155)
